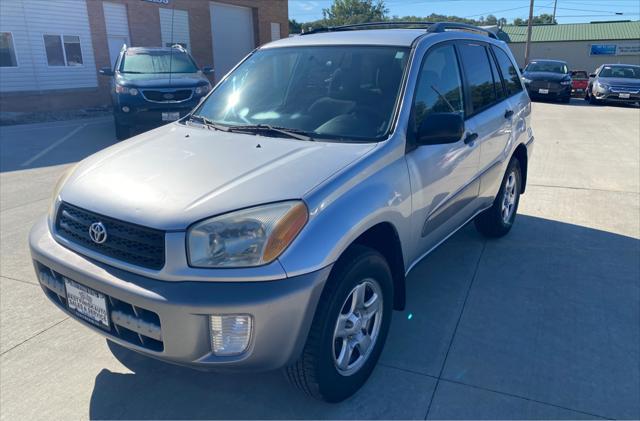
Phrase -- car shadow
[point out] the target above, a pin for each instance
(157, 390)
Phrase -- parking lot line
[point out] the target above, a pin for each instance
(53, 145)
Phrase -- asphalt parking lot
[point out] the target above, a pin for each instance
(544, 323)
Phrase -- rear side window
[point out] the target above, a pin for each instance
(439, 88)
(477, 70)
(509, 72)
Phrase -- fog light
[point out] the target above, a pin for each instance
(230, 333)
(126, 109)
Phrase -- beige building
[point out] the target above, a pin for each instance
(584, 46)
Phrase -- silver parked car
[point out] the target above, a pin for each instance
(275, 225)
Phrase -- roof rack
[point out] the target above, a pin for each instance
(431, 27)
(444, 26)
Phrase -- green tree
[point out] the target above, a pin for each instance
(345, 12)
(295, 27)
(543, 19)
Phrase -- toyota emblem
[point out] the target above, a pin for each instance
(98, 232)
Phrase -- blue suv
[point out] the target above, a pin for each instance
(153, 86)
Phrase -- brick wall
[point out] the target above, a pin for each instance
(144, 30)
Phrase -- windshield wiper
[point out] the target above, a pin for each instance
(209, 123)
(296, 134)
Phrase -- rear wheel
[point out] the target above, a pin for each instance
(498, 219)
(349, 328)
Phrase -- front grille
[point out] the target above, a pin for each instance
(625, 89)
(128, 242)
(541, 84)
(128, 322)
(167, 95)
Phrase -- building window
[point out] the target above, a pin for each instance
(7, 50)
(63, 50)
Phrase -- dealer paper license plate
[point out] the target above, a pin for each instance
(543, 91)
(90, 305)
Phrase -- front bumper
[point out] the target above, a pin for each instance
(170, 320)
(553, 91)
(616, 96)
(146, 114)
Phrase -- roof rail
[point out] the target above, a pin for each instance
(178, 47)
(431, 27)
(366, 25)
(444, 26)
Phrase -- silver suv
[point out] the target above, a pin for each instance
(274, 226)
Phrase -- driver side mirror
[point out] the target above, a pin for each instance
(106, 71)
(592, 75)
(439, 128)
(207, 70)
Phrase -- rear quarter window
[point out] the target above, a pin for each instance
(509, 72)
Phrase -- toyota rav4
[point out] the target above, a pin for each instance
(274, 226)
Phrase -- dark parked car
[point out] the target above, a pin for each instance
(548, 79)
(579, 82)
(154, 86)
(614, 83)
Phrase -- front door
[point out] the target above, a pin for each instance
(444, 180)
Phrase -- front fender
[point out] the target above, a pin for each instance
(373, 190)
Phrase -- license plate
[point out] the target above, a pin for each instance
(88, 304)
(543, 91)
(170, 116)
(625, 96)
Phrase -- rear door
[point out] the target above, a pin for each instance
(490, 114)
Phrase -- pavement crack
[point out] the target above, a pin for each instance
(34, 336)
(512, 395)
(455, 329)
(19, 280)
(581, 188)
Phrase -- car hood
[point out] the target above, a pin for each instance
(547, 76)
(161, 80)
(175, 175)
(620, 81)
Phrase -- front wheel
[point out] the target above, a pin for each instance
(349, 328)
(498, 219)
(122, 132)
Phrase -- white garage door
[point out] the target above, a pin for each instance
(232, 31)
(115, 17)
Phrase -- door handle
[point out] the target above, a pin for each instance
(470, 137)
(508, 113)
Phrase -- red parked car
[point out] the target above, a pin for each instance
(579, 82)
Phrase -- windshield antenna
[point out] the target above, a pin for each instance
(173, 13)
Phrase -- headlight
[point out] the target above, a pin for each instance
(602, 86)
(124, 90)
(53, 207)
(526, 81)
(249, 237)
(565, 82)
(201, 90)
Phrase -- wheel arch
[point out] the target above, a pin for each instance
(521, 154)
(383, 237)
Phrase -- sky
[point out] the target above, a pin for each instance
(568, 11)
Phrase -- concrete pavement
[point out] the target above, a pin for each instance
(544, 323)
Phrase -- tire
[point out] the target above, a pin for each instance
(566, 99)
(122, 132)
(496, 221)
(316, 373)
(593, 100)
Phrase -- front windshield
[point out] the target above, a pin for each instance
(547, 66)
(159, 61)
(335, 92)
(626, 72)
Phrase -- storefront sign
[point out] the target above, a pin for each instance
(603, 49)
(625, 49)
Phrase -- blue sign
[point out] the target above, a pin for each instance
(603, 49)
